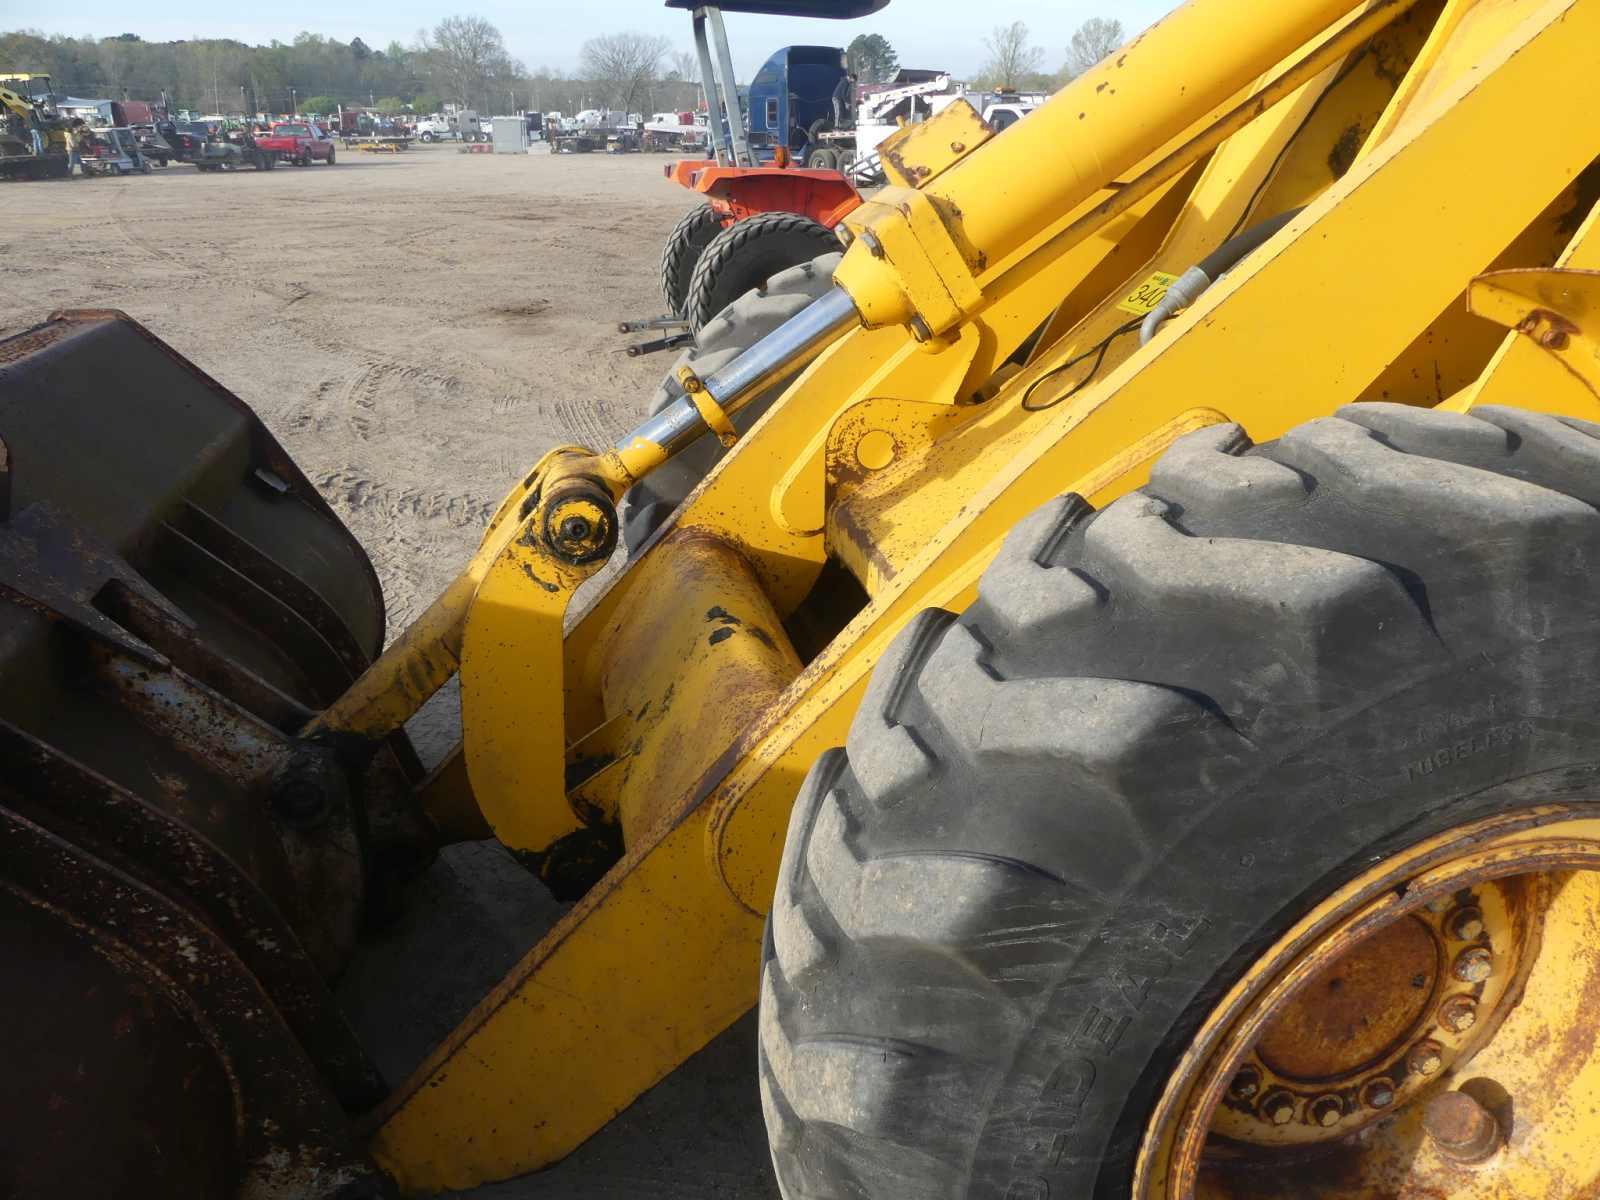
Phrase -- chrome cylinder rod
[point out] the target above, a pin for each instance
(787, 348)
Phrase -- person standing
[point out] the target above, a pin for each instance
(75, 139)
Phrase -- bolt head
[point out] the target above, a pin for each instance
(1278, 1108)
(957, 147)
(1553, 339)
(1245, 1084)
(575, 529)
(1460, 1128)
(1379, 1093)
(1458, 1014)
(1473, 965)
(1425, 1058)
(1466, 924)
(1326, 1111)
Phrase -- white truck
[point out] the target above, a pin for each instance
(461, 125)
(667, 131)
(598, 129)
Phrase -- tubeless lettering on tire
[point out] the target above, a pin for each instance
(1498, 737)
(1052, 1121)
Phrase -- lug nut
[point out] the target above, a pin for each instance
(1326, 1111)
(1461, 1128)
(1278, 1108)
(1473, 965)
(1425, 1058)
(1466, 924)
(1458, 1014)
(1245, 1084)
(1379, 1093)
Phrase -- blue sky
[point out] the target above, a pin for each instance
(945, 34)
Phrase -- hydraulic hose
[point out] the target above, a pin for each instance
(1192, 283)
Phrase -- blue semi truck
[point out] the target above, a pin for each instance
(800, 92)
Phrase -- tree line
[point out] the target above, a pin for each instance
(464, 60)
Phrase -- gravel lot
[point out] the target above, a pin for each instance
(417, 329)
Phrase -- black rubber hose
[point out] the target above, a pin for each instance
(1189, 286)
(1228, 255)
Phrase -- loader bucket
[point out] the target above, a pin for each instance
(180, 873)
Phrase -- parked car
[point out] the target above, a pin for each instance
(186, 138)
(298, 142)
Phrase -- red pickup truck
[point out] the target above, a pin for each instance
(298, 142)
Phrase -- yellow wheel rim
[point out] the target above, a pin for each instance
(1427, 1032)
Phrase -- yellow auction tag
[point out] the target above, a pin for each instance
(1147, 295)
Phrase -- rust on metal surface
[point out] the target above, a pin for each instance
(692, 674)
(919, 153)
(1356, 1012)
(69, 799)
(1461, 1128)
(1486, 1094)
(1381, 1021)
(169, 1034)
(180, 874)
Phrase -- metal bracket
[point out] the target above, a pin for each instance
(1557, 308)
(917, 154)
(713, 414)
(929, 285)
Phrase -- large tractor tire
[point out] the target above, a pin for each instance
(1324, 705)
(747, 254)
(687, 241)
(746, 321)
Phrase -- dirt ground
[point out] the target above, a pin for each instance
(417, 330)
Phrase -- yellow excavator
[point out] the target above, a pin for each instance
(1107, 662)
(33, 136)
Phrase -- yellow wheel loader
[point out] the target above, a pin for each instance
(1108, 663)
(33, 136)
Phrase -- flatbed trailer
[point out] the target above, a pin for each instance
(383, 143)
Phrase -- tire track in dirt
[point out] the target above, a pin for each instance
(587, 423)
(353, 489)
(291, 294)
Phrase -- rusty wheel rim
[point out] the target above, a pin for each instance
(1428, 1031)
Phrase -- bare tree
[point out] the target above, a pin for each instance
(1094, 40)
(622, 66)
(1012, 56)
(468, 56)
(685, 66)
